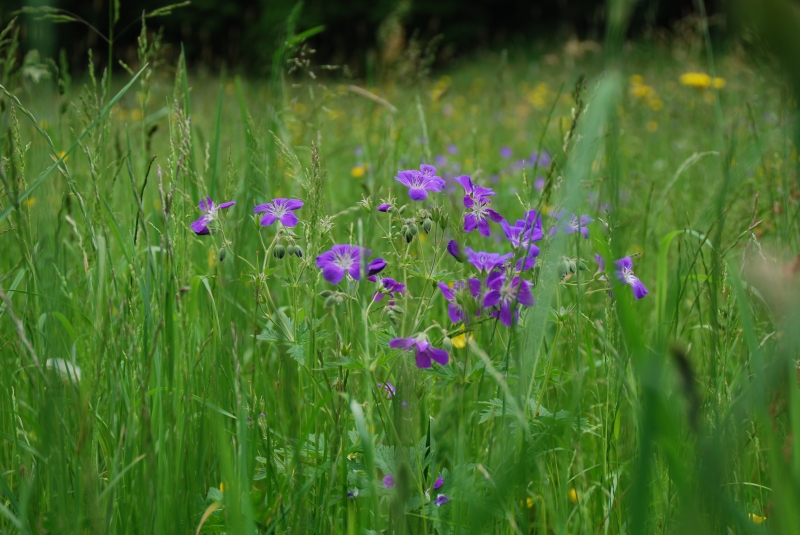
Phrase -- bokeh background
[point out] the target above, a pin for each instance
(244, 34)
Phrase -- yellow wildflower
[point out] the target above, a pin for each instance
(460, 341)
(652, 126)
(29, 202)
(637, 79)
(757, 519)
(701, 80)
(529, 502)
(358, 171)
(573, 496)
(642, 90)
(136, 114)
(656, 104)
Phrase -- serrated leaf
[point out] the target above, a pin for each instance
(269, 335)
(298, 353)
(385, 459)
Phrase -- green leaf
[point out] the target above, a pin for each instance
(298, 353)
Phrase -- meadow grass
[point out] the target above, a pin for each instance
(159, 381)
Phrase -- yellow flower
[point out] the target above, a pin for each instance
(29, 202)
(358, 171)
(222, 487)
(136, 115)
(637, 79)
(656, 104)
(642, 90)
(701, 80)
(757, 519)
(573, 496)
(652, 126)
(460, 341)
(529, 502)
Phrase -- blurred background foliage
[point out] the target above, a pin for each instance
(357, 33)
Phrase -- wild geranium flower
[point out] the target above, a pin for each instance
(388, 481)
(476, 201)
(574, 224)
(455, 250)
(420, 182)
(505, 152)
(279, 210)
(423, 350)
(522, 234)
(625, 274)
(454, 310)
(375, 267)
(601, 267)
(473, 190)
(440, 500)
(389, 287)
(385, 207)
(389, 387)
(504, 292)
(341, 260)
(485, 262)
(211, 212)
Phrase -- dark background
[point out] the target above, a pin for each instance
(243, 34)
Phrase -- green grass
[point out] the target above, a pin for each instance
(225, 390)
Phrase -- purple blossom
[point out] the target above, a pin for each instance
(279, 210)
(522, 234)
(440, 161)
(388, 481)
(385, 207)
(473, 190)
(544, 159)
(342, 259)
(440, 500)
(486, 261)
(505, 152)
(353, 494)
(420, 182)
(438, 483)
(454, 310)
(389, 287)
(625, 274)
(455, 250)
(210, 213)
(574, 224)
(423, 350)
(390, 389)
(601, 267)
(452, 149)
(477, 201)
(538, 184)
(504, 293)
(375, 267)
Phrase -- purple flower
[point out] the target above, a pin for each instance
(424, 352)
(455, 250)
(376, 266)
(440, 500)
(389, 387)
(601, 267)
(505, 152)
(353, 494)
(200, 227)
(388, 481)
(440, 161)
(522, 234)
(544, 159)
(473, 190)
(574, 224)
(477, 201)
(504, 293)
(486, 261)
(420, 182)
(538, 184)
(280, 210)
(454, 310)
(452, 149)
(625, 274)
(342, 259)
(385, 207)
(389, 287)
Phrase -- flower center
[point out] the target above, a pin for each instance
(628, 275)
(343, 262)
(278, 210)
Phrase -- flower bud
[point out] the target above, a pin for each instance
(279, 251)
(402, 209)
(447, 344)
(298, 252)
(427, 225)
(330, 301)
(409, 236)
(366, 205)
(222, 254)
(443, 220)
(413, 228)
(325, 293)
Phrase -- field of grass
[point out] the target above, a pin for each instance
(154, 380)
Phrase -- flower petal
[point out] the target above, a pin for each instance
(293, 204)
(423, 359)
(333, 273)
(439, 355)
(262, 207)
(470, 222)
(505, 314)
(401, 343)
(524, 294)
(624, 263)
(639, 289)
(417, 194)
(226, 204)
(483, 228)
(200, 227)
(268, 219)
(491, 299)
(289, 219)
(448, 293)
(455, 313)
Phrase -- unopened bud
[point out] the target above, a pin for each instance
(443, 220)
(279, 251)
(427, 225)
(447, 344)
(222, 254)
(330, 301)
